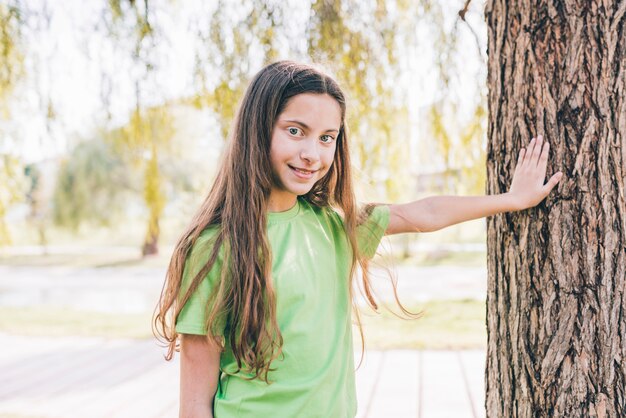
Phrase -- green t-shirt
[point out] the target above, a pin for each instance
(310, 268)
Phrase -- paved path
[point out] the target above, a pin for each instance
(97, 378)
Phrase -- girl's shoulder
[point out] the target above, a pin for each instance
(207, 236)
(204, 245)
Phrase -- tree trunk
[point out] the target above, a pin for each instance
(557, 273)
(151, 242)
(155, 201)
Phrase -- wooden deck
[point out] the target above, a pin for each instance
(98, 378)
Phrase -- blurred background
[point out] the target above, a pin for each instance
(113, 115)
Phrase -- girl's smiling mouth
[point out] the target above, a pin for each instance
(302, 173)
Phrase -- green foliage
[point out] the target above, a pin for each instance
(92, 186)
(11, 70)
(138, 15)
(146, 128)
(472, 143)
(237, 33)
(365, 52)
(11, 55)
(360, 43)
(368, 46)
(460, 144)
(463, 155)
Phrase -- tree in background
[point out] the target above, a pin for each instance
(148, 132)
(149, 128)
(12, 186)
(37, 202)
(93, 185)
(557, 273)
(11, 70)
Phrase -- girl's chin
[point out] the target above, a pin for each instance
(300, 191)
(297, 186)
(300, 186)
(294, 190)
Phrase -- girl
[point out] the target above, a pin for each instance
(258, 293)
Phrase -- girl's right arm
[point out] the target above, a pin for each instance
(199, 375)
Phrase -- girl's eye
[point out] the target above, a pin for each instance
(293, 131)
(327, 139)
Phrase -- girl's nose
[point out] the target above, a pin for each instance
(309, 151)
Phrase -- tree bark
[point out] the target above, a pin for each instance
(557, 273)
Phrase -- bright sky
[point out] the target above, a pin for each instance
(73, 56)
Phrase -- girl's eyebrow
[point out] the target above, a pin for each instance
(304, 125)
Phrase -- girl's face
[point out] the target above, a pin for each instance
(303, 146)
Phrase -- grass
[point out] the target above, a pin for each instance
(445, 258)
(87, 260)
(451, 324)
(444, 324)
(38, 321)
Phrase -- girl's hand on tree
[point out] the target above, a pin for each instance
(527, 188)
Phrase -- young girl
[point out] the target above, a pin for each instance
(258, 295)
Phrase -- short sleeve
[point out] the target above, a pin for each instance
(371, 232)
(192, 318)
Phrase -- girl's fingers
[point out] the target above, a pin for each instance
(537, 149)
(542, 164)
(520, 159)
(544, 152)
(554, 180)
(529, 153)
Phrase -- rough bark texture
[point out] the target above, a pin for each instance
(556, 296)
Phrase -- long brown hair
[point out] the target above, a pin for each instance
(237, 205)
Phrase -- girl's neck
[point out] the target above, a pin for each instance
(281, 201)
